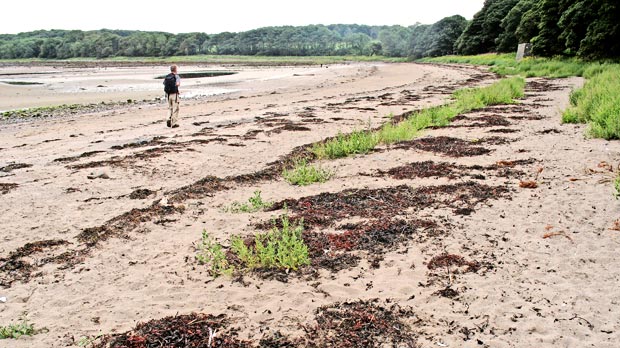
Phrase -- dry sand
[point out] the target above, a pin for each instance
(548, 262)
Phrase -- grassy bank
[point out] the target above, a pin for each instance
(597, 103)
(506, 64)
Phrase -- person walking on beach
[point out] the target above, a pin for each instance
(171, 87)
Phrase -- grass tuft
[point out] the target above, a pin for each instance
(358, 142)
(303, 174)
(22, 328)
(254, 204)
(279, 248)
(212, 255)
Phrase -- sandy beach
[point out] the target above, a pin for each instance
(103, 211)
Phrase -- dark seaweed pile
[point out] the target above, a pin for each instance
(348, 324)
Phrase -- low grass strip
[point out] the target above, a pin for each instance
(506, 64)
(465, 100)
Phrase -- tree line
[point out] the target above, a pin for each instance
(584, 28)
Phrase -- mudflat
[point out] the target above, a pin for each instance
(499, 230)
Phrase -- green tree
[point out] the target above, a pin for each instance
(547, 42)
(418, 43)
(591, 29)
(509, 37)
(481, 33)
(439, 39)
(528, 25)
(395, 41)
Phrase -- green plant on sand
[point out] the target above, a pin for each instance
(279, 248)
(22, 328)
(212, 255)
(254, 204)
(303, 173)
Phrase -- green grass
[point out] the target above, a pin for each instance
(254, 204)
(44, 110)
(491, 59)
(343, 145)
(303, 174)
(501, 92)
(598, 102)
(506, 64)
(22, 328)
(279, 248)
(212, 255)
(617, 187)
(465, 100)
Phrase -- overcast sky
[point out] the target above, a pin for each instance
(218, 16)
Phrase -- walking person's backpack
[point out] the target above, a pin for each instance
(170, 84)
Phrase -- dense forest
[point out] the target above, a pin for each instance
(585, 28)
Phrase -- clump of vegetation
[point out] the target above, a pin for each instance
(212, 255)
(279, 248)
(617, 187)
(45, 111)
(358, 142)
(254, 204)
(22, 328)
(89, 341)
(598, 102)
(303, 173)
(501, 92)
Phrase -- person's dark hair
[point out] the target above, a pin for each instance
(173, 68)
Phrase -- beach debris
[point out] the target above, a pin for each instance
(98, 175)
(606, 166)
(532, 183)
(528, 184)
(191, 330)
(447, 292)
(558, 233)
(17, 265)
(370, 324)
(13, 166)
(361, 324)
(616, 226)
(448, 260)
(428, 169)
(7, 187)
(141, 194)
(449, 146)
(505, 163)
(3, 299)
